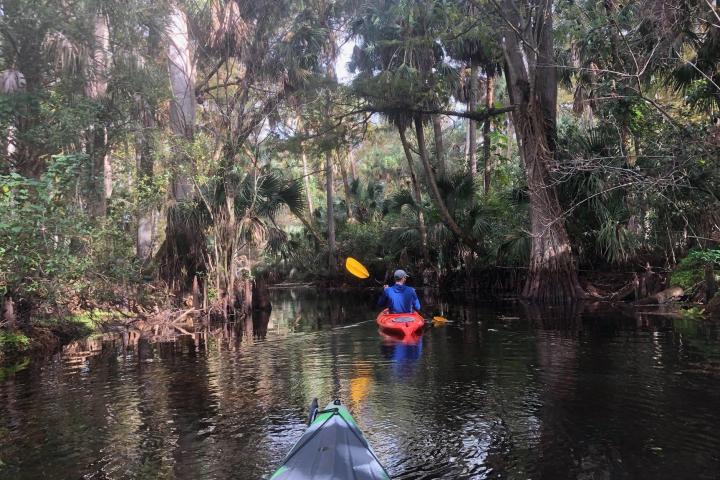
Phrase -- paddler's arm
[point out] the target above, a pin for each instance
(416, 301)
(383, 300)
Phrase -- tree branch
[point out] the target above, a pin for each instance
(478, 116)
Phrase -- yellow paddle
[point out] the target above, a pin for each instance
(358, 269)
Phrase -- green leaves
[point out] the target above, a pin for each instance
(691, 269)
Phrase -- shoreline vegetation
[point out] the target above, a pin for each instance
(164, 165)
(43, 336)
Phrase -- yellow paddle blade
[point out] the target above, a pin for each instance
(439, 320)
(356, 268)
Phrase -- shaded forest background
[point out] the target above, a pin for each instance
(174, 152)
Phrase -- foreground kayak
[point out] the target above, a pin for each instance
(403, 325)
(332, 448)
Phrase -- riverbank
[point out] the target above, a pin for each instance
(163, 322)
(45, 335)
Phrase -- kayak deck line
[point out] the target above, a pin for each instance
(332, 447)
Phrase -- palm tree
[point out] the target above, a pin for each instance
(398, 41)
(256, 198)
(477, 48)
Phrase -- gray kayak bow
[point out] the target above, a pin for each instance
(332, 448)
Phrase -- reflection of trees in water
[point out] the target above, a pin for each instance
(261, 320)
(557, 329)
(311, 310)
(565, 392)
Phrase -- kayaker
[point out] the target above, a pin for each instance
(399, 298)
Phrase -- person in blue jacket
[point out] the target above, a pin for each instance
(399, 298)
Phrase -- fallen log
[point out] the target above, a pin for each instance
(630, 288)
(181, 330)
(665, 296)
(182, 316)
(594, 292)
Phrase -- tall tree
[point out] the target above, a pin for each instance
(98, 75)
(471, 124)
(473, 42)
(403, 73)
(181, 256)
(530, 70)
(342, 162)
(489, 103)
(417, 196)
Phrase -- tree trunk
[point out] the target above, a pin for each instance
(145, 167)
(181, 69)
(472, 127)
(306, 180)
(183, 251)
(329, 191)
(353, 165)
(439, 148)
(509, 133)
(489, 101)
(96, 89)
(101, 172)
(552, 276)
(346, 188)
(439, 202)
(8, 313)
(261, 293)
(713, 308)
(417, 197)
(147, 212)
(331, 52)
(532, 86)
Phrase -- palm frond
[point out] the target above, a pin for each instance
(400, 199)
(616, 242)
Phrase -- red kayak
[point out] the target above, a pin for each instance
(403, 325)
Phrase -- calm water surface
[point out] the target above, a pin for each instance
(502, 392)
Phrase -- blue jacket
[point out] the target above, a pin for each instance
(399, 299)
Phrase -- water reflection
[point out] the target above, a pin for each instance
(403, 354)
(504, 391)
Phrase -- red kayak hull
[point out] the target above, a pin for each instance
(402, 325)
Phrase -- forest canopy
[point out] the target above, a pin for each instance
(183, 150)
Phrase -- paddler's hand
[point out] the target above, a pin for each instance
(385, 287)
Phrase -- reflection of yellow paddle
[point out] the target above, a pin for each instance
(358, 269)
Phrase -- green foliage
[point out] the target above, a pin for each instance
(90, 319)
(616, 242)
(691, 270)
(13, 342)
(49, 249)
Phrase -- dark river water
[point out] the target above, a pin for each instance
(502, 392)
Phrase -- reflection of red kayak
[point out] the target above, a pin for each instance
(390, 340)
(403, 325)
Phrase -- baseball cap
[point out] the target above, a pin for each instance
(400, 274)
